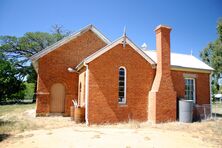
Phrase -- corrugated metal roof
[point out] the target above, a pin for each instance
(181, 60)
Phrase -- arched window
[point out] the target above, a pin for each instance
(80, 87)
(122, 85)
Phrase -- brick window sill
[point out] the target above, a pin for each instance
(123, 105)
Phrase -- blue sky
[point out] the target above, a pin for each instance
(193, 21)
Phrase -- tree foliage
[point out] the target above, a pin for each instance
(212, 55)
(18, 50)
(11, 87)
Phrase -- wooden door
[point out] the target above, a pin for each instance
(57, 98)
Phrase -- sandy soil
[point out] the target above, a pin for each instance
(103, 137)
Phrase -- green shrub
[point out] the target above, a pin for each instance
(29, 91)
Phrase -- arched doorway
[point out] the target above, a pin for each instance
(57, 98)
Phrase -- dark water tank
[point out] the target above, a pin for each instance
(186, 111)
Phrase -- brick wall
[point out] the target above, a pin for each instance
(162, 97)
(201, 85)
(103, 82)
(53, 69)
(103, 86)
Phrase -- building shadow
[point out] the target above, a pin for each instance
(4, 136)
(217, 115)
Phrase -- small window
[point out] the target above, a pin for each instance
(122, 85)
(190, 89)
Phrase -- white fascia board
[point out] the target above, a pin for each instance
(100, 35)
(113, 44)
(67, 39)
(144, 55)
(35, 65)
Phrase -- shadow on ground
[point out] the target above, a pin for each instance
(217, 115)
(5, 124)
(4, 136)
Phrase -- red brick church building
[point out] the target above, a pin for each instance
(117, 81)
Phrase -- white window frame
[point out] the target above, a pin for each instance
(124, 99)
(194, 88)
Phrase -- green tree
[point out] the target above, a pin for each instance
(11, 87)
(19, 49)
(212, 55)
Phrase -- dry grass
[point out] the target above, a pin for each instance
(11, 118)
(217, 107)
(19, 118)
(16, 108)
(132, 124)
(209, 131)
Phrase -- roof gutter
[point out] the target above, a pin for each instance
(80, 65)
(178, 68)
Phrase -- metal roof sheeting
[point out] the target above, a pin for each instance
(181, 60)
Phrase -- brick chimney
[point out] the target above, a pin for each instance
(162, 97)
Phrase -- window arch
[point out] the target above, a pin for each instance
(122, 85)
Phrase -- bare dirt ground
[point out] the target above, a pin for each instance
(104, 137)
(56, 132)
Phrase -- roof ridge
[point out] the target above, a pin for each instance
(153, 50)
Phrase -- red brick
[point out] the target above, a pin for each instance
(53, 69)
(103, 81)
(162, 97)
(202, 85)
(103, 86)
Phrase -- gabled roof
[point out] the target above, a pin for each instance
(110, 46)
(178, 61)
(182, 61)
(67, 39)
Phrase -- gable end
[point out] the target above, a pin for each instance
(69, 38)
(113, 44)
